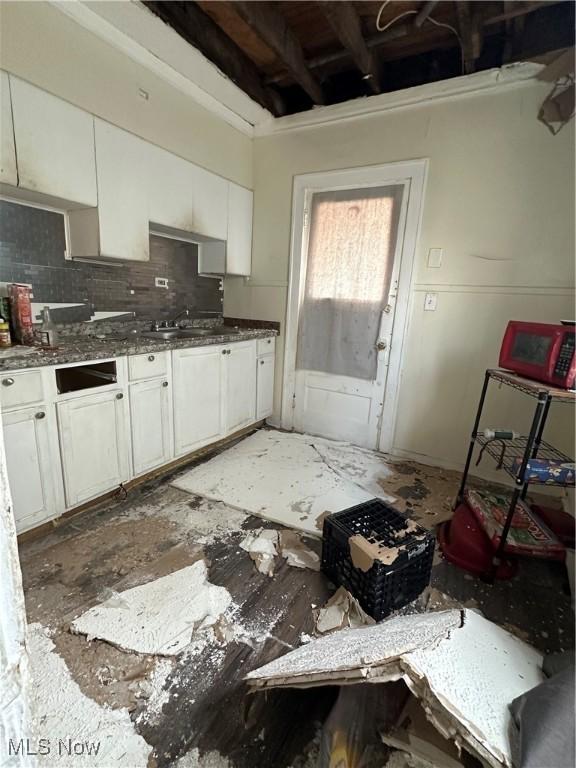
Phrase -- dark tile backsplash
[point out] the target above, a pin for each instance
(32, 245)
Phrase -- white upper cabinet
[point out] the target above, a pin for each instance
(54, 145)
(118, 228)
(209, 204)
(8, 173)
(170, 183)
(122, 193)
(239, 235)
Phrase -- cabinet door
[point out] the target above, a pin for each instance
(150, 424)
(265, 387)
(93, 445)
(8, 173)
(240, 385)
(122, 194)
(210, 204)
(54, 145)
(170, 182)
(197, 377)
(31, 473)
(239, 237)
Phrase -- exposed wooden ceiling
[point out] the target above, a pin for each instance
(292, 55)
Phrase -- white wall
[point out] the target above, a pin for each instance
(42, 45)
(499, 201)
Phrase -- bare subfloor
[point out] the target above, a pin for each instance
(196, 703)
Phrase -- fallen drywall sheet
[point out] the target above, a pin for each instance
(158, 617)
(77, 729)
(342, 610)
(465, 669)
(280, 476)
(261, 545)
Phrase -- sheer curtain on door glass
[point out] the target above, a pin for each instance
(352, 239)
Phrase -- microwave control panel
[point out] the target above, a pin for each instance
(565, 355)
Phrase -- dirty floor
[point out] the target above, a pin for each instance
(192, 710)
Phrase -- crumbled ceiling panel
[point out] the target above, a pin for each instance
(464, 669)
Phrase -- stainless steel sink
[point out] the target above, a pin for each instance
(168, 334)
(184, 332)
(162, 334)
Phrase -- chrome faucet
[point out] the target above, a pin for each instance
(157, 324)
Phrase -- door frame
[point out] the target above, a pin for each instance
(414, 171)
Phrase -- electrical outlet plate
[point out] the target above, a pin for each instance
(161, 282)
(430, 302)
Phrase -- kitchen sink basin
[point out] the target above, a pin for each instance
(168, 334)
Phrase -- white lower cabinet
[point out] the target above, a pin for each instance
(240, 393)
(265, 387)
(198, 384)
(93, 444)
(32, 472)
(150, 424)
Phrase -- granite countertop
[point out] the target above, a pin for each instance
(75, 349)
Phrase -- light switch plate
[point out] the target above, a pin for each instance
(435, 257)
(430, 302)
(161, 282)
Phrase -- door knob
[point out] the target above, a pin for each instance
(8, 382)
(164, 383)
(151, 358)
(261, 362)
(223, 351)
(119, 396)
(39, 415)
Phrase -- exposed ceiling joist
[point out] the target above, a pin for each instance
(345, 22)
(199, 30)
(272, 28)
(471, 35)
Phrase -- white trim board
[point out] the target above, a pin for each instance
(415, 171)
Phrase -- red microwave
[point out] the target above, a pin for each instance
(540, 351)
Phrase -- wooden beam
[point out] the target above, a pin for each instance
(345, 22)
(271, 27)
(424, 12)
(198, 29)
(470, 33)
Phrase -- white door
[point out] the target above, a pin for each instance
(150, 424)
(93, 445)
(8, 174)
(30, 471)
(197, 380)
(265, 387)
(54, 145)
(353, 232)
(240, 385)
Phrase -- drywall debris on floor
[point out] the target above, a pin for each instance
(296, 553)
(262, 546)
(342, 610)
(276, 475)
(464, 669)
(78, 730)
(158, 617)
(194, 759)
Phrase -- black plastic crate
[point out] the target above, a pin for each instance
(383, 588)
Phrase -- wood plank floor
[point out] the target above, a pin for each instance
(206, 705)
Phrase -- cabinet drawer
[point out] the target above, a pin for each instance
(266, 346)
(20, 388)
(147, 366)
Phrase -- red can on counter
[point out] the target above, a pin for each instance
(21, 313)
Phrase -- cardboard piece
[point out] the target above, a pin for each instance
(364, 552)
(464, 669)
(342, 610)
(415, 735)
(296, 553)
